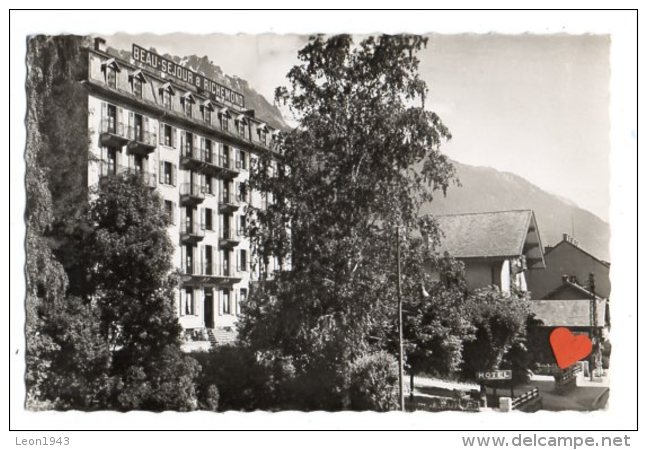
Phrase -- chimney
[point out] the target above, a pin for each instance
(99, 44)
(564, 278)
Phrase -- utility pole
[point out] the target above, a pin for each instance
(594, 325)
(400, 338)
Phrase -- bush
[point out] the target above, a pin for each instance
(374, 380)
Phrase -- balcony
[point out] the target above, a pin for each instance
(111, 170)
(141, 142)
(220, 166)
(191, 233)
(229, 238)
(209, 274)
(190, 157)
(227, 203)
(113, 133)
(191, 194)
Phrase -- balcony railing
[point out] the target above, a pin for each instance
(113, 132)
(191, 233)
(227, 202)
(140, 141)
(219, 165)
(229, 238)
(191, 156)
(210, 272)
(191, 194)
(107, 169)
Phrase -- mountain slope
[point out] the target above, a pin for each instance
(263, 109)
(486, 189)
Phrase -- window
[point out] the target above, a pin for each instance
(224, 122)
(169, 208)
(243, 159)
(138, 164)
(208, 219)
(242, 224)
(111, 77)
(139, 128)
(167, 135)
(243, 261)
(112, 119)
(137, 87)
(262, 135)
(167, 173)
(208, 260)
(225, 156)
(189, 143)
(208, 184)
(208, 148)
(243, 297)
(189, 303)
(207, 114)
(166, 98)
(225, 263)
(112, 161)
(189, 259)
(187, 104)
(242, 192)
(241, 127)
(226, 304)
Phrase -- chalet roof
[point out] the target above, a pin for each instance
(486, 235)
(568, 313)
(569, 283)
(568, 241)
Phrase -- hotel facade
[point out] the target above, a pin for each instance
(194, 142)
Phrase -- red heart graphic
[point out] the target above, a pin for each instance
(568, 347)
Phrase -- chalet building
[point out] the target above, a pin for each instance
(568, 258)
(193, 141)
(564, 299)
(497, 248)
(572, 306)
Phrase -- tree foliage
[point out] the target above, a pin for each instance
(435, 323)
(129, 256)
(500, 323)
(363, 158)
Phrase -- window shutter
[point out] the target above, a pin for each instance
(104, 116)
(174, 174)
(202, 258)
(161, 173)
(182, 302)
(146, 124)
(220, 305)
(120, 121)
(131, 121)
(161, 133)
(182, 139)
(174, 137)
(203, 187)
(238, 261)
(202, 217)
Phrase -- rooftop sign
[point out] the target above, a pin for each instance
(164, 65)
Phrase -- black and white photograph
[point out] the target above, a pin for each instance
(412, 222)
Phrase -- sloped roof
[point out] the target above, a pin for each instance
(570, 284)
(567, 313)
(480, 235)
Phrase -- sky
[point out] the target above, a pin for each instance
(533, 105)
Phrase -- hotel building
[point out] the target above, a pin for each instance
(193, 141)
